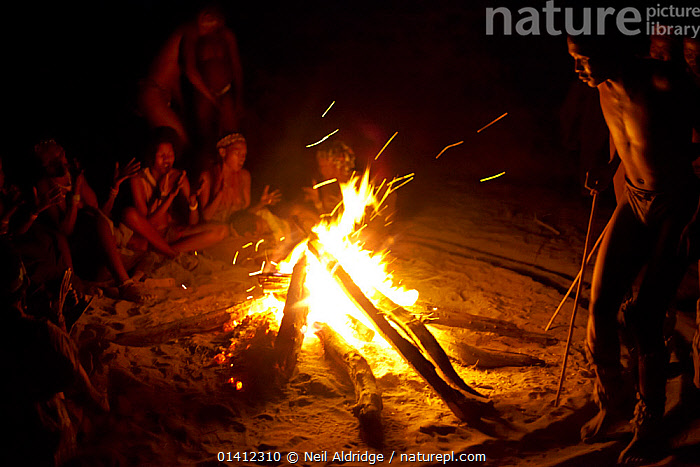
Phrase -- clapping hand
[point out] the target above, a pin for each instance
(51, 198)
(124, 173)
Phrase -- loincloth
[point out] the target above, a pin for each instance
(651, 207)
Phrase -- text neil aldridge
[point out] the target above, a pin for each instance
(343, 456)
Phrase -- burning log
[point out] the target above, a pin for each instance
(427, 342)
(166, 332)
(368, 406)
(467, 407)
(291, 335)
(359, 330)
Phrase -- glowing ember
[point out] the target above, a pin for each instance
(262, 268)
(323, 139)
(327, 182)
(492, 177)
(384, 147)
(329, 108)
(448, 147)
(236, 383)
(491, 123)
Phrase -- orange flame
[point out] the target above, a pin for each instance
(327, 302)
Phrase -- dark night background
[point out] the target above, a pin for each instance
(424, 69)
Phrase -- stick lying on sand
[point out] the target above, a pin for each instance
(368, 406)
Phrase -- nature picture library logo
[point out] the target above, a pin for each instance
(556, 18)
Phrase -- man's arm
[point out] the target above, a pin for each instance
(190, 64)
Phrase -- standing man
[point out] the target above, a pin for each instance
(643, 104)
(204, 51)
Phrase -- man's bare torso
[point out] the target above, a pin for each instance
(643, 110)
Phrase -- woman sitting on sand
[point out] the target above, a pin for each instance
(225, 193)
(155, 190)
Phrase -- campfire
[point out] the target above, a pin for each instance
(332, 288)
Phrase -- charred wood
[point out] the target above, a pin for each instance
(291, 336)
(368, 398)
(166, 332)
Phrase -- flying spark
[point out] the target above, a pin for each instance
(248, 245)
(235, 257)
(387, 144)
(262, 268)
(488, 125)
(183, 286)
(492, 177)
(323, 139)
(448, 147)
(329, 108)
(327, 182)
(250, 289)
(258, 244)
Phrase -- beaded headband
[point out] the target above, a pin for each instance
(229, 140)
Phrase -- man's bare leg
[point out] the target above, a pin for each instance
(207, 119)
(229, 119)
(617, 266)
(658, 287)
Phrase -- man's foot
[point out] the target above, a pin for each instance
(598, 427)
(133, 292)
(643, 451)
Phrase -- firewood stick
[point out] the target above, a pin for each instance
(474, 323)
(368, 397)
(467, 408)
(578, 294)
(165, 332)
(429, 345)
(291, 336)
(575, 282)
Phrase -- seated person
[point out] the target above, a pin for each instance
(335, 166)
(77, 216)
(154, 191)
(225, 193)
(335, 161)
